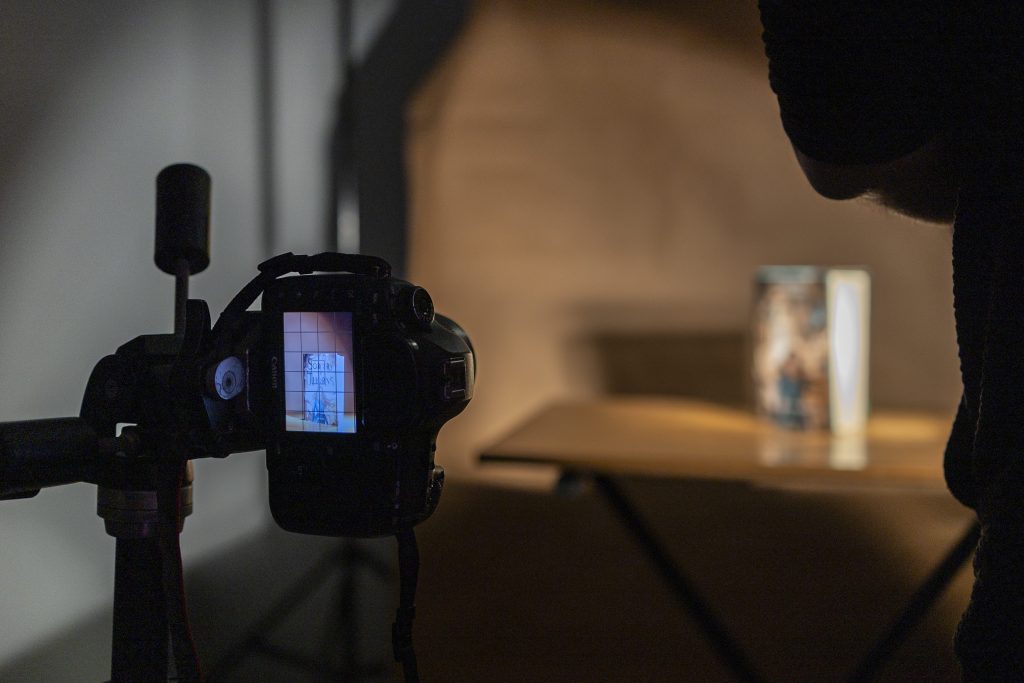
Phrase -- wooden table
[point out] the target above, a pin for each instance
(683, 439)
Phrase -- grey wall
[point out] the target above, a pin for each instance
(95, 98)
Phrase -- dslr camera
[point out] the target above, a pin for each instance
(346, 380)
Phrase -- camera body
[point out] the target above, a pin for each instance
(362, 375)
(346, 380)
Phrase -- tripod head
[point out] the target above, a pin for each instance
(51, 452)
(345, 377)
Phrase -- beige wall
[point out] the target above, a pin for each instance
(581, 169)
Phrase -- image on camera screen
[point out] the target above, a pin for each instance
(319, 390)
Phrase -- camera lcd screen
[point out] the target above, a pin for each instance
(319, 389)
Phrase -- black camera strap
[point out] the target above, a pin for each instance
(183, 649)
(150, 609)
(401, 630)
(271, 269)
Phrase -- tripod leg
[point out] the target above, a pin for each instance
(140, 622)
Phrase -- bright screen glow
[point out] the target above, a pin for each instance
(319, 390)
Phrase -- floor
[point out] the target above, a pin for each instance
(519, 586)
(537, 588)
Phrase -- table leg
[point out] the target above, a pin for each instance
(723, 642)
(919, 604)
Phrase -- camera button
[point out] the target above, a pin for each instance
(455, 379)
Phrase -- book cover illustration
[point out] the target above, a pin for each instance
(810, 347)
(320, 392)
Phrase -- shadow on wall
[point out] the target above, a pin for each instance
(277, 607)
(33, 80)
(710, 366)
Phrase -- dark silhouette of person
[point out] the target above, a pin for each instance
(920, 106)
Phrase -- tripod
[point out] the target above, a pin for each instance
(209, 391)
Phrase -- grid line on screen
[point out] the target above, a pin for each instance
(319, 377)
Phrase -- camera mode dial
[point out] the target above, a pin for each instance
(227, 378)
(413, 306)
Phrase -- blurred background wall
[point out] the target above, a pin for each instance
(585, 171)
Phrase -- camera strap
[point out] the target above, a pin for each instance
(150, 611)
(283, 264)
(183, 649)
(401, 630)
